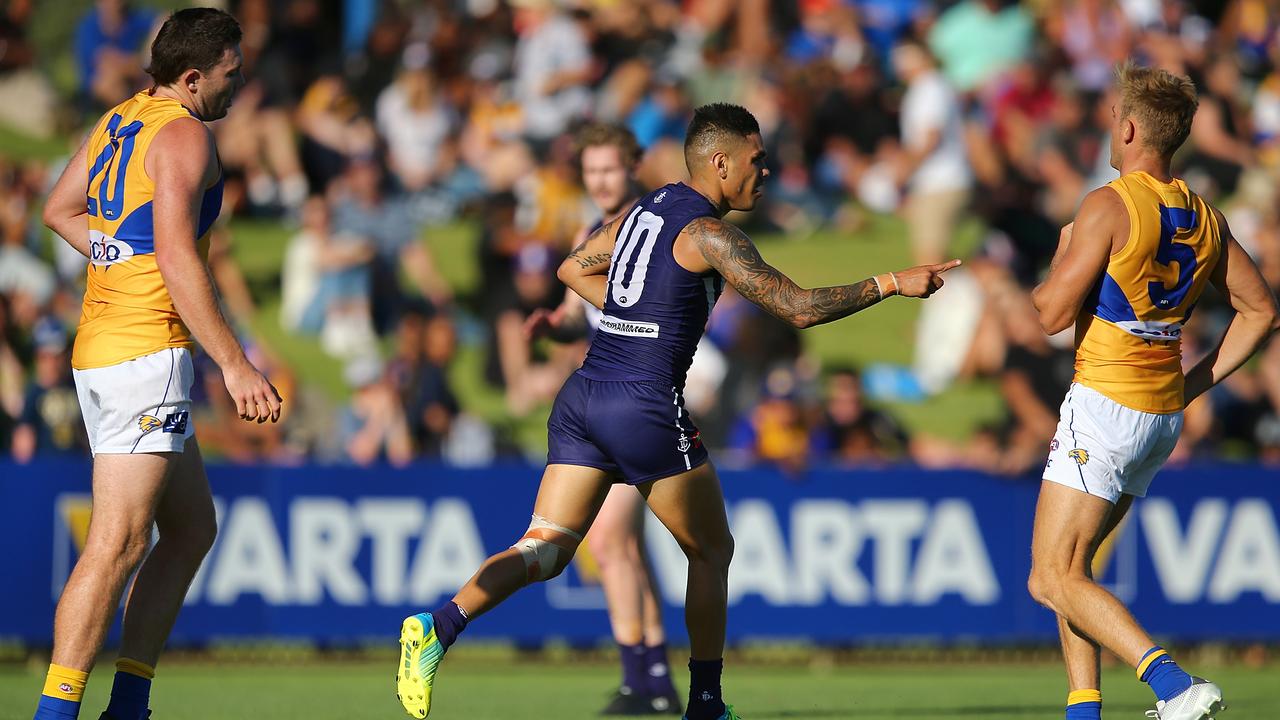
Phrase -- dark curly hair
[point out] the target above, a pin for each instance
(192, 38)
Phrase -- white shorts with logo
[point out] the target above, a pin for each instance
(138, 406)
(1106, 449)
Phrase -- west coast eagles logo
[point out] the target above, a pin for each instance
(1080, 455)
(148, 423)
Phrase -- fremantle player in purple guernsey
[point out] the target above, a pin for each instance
(655, 272)
(608, 156)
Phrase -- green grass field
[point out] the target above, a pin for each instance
(483, 690)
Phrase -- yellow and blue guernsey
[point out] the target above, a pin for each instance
(1129, 332)
(127, 310)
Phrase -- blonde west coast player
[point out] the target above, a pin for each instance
(1128, 273)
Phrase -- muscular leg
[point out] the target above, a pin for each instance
(614, 543)
(616, 540)
(126, 491)
(1081, 653)
(1082, 656)
(655, 633)
(691, 506)
(569, 496)
(568, 500)
(187, 526)
(1069, 525)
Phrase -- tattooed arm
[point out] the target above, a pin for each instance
(728, 250)
(586, 268)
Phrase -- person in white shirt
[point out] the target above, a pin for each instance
(416, 124)
(934, 165)
(552, 65)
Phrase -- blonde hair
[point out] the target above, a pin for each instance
(603, 134)
(1162, 103)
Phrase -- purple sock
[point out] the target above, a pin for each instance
(450, 621)
(658, 671)
(633, 675)
(130, 695)
(704, 690)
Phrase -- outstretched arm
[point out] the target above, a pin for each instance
(728, 250)
(1256, 316)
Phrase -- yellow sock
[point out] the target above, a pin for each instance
(1079, 696)
(1084, 705)
(133, 667)
(65, 683)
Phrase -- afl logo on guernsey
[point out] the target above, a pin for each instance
(106, 250)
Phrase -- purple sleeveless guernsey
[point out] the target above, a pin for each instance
(655, 311)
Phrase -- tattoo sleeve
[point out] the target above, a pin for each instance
(731, 252)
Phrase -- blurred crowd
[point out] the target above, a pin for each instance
(368, 123)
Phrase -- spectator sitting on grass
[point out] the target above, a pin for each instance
(326, 283)
(776, 431)
(50, 422)
(108, 44)
(364, 210)
(373, 428)
(851, 433)
(419, 371)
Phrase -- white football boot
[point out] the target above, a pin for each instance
(1201, 701)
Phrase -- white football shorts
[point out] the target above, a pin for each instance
(1106, 449)
(138, 406)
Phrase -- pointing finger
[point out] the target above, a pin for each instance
(943, 267)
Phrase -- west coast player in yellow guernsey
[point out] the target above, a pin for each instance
(138, 199)
(1128, 273)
